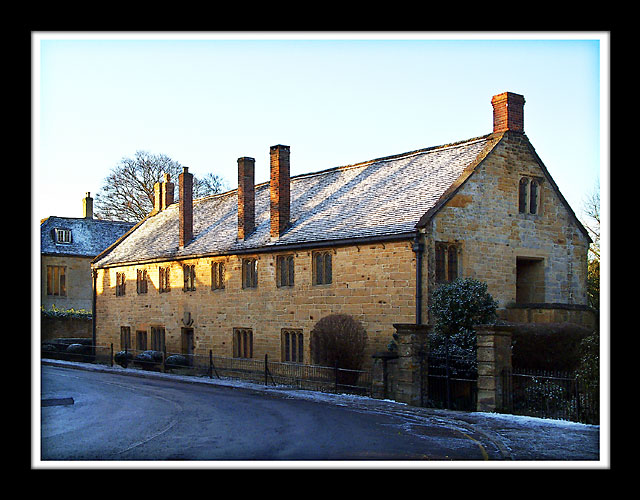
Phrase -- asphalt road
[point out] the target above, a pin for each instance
(97, 414)
(116, 417)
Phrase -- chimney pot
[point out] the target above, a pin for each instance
(279, 189)
(508, 112)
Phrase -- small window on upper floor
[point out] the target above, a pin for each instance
(120, 284)
(534, 187)
(217, 276)
(284, 270)
(56, 280)
(322, 268)
(529, 195)
(249, 273)
(447, 258)
(164, 282)
(141, 281)
(62, 235)
(189, 274)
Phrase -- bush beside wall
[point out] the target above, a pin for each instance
(549, 346)
(56, 324)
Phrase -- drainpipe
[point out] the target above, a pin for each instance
(94, 274)
(418, 248)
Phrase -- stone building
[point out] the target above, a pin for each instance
(249, 272)
(67, 247)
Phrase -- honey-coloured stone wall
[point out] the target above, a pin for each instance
(375, 283)
(497, 243)
(77, 282)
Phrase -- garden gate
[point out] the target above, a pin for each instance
(452, 382)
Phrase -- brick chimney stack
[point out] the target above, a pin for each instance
(167, 192)
(246, 196)
(508, 112)
(279, 189)
(162, 194)
(185, 181)
(87, 206)
(157, 198)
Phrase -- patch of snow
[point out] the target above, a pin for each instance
(335, 398)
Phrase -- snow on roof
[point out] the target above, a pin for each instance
(88, 237)
(381, 197)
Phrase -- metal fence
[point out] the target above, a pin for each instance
(550, 394)
(452, 382)
(301, 376)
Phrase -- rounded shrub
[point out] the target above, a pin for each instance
(338, 340)
(457, 307)
(123, 358)
(176, 361)
(78, 349)
(147, 359)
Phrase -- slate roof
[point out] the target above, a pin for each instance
(89, 237)
(378, 198)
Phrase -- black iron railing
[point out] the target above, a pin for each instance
(302, 376)
(550, 394)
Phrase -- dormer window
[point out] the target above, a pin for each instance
(62, 235)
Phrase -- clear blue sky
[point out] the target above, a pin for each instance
(335, 99)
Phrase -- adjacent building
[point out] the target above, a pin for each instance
(67, 246)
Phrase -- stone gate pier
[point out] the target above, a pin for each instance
(403, 375)
(494, 356)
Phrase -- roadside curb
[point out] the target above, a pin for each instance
(403, 410)
(189, 379)
(503, 437)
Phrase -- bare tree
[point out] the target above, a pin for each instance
(209, 184)
(591, 209)
(127, 193)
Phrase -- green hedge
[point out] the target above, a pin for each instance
(550, 346)
(54, 312)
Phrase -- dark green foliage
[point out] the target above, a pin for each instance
(593, 284)
(176, 361)
(79, 352)
(456, 308)
(55, 312)
(69, 349)
(589, 366)
(123, 358)
(79, 349)
(393, 345)
(148, 359)
(547, 346)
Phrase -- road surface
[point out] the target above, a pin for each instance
(105, 416)
(109, 414)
